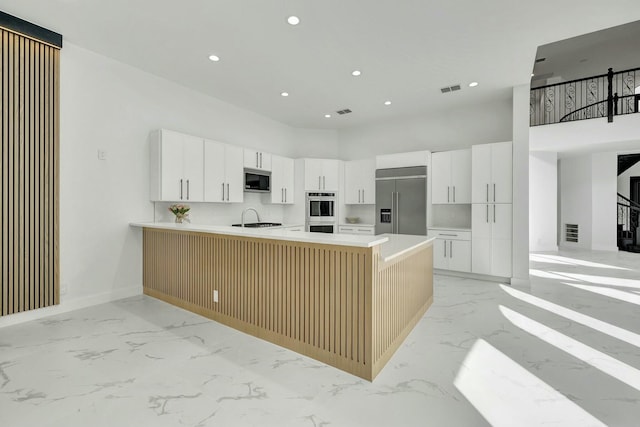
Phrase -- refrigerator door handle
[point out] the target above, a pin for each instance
(397, 212)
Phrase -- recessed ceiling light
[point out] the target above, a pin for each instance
(328, 116)
(356, 73)
(284, 94)
(293, 20)
(473, 84)
(214, 58)
(387, 102)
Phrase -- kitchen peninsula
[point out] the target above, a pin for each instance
(348, 301)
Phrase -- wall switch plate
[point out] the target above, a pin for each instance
(102, 155)
(215, 296)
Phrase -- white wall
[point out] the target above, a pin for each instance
(111, 106)
(575, 199)
(520, 231)
(543, 201)
(588, 186)
(623, 180)
(440, 131)
(603, 201)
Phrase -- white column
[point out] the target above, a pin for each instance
(520, 247)
(543, 201)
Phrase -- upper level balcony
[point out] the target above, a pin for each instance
(605, 95)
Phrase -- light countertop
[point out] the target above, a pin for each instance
(392, 245)
(276, 233)
(450, 228)
(357, 224)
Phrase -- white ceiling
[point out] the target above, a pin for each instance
(407, 49)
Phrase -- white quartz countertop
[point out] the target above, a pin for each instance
(276, 233)
(398, 244)
(450, 228)
(357, 224)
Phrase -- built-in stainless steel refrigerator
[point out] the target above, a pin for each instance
(401, 200)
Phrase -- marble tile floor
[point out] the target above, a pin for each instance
(563, 352)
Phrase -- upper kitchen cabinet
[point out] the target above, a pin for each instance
(491, 173)
(223, 173)
(258, 160)
(282, 180)
(321, 175)
(360, 182)
(176, 167)
(451, 177)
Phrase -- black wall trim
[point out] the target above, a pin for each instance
(31, 30)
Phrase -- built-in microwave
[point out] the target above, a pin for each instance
(254, 181)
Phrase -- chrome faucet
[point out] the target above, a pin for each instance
(245, 211)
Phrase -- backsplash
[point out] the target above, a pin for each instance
(458, 216)
(230, 213)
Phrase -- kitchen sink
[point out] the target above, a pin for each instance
(259, 224)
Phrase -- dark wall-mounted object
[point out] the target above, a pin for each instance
(28, 29)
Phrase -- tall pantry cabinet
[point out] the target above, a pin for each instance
(491, 211)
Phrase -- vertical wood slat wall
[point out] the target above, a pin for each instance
(29, 128)
(313, 299)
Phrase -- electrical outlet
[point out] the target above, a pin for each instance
(215, 296)
(102, 155)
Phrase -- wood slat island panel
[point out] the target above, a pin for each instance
(324, 301)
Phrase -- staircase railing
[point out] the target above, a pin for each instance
(628, 222)
(605, 95)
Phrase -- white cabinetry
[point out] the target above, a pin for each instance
(402, 160)
(176, 166)
(258, 160)
(451, 177)
(451, 249)
(223, 173)
(282, 180)
(360, 182)
(491, 212)
(363, 230)
(321, 174)
(491, 173)
(492, 234)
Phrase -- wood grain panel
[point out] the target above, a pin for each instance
(29, 180)
(337, 304)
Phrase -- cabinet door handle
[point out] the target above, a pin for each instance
(359, 197)
(448, 234)
(319, 182)
(448, 194)
(257, 159)
(187, 189)
(285, 194)
(324, 182)
(450, 248)
(260, 159)
(445, 248)
(487, 192)
(454, 194)
(180, 189)
(223, 191)
(363, 195)
(494, 191)
(487, 214)
(494, 213)
(227, 191)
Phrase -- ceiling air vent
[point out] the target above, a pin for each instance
(571, 233)
(450, 88)
(345, 111)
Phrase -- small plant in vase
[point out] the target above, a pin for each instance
(181, 212)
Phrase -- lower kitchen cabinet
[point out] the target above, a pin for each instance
(363, 230)
(451, 249)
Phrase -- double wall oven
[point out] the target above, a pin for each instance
(321, 212)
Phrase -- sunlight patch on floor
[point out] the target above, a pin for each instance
(548, 275)
(506, 394)
(599, 360)
(629, 297)
(557, 259)
(601, 280)
(593, 323)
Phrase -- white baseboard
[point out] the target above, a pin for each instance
(604, 248)
(520, 282)
(552, 248)
(70, 305)
(475, 276)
